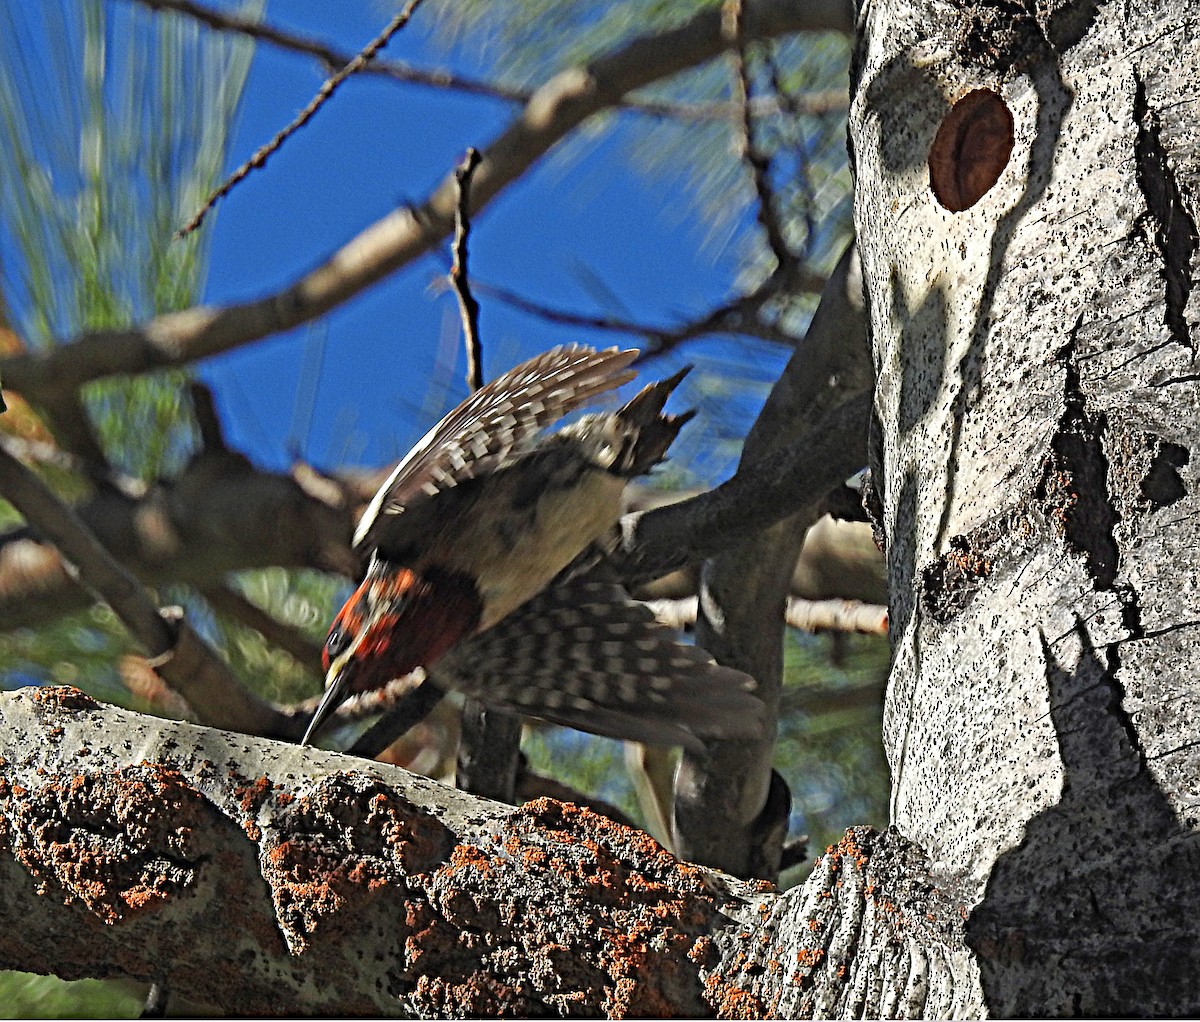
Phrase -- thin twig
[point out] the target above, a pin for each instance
(738, 315)
(759, 163)
(468, 307)
(834, 615)
(331, 84)
(489, 742)
(332, 59)
(794, 112)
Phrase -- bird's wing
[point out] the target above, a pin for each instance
(583, 654)
(498, 419)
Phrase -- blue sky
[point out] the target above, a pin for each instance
(384, 372)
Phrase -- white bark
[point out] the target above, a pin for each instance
(1037, 395)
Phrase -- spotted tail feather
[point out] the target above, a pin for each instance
(583, 654)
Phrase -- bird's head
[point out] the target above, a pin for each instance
(393, 623)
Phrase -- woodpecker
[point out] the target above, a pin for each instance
(477, 550)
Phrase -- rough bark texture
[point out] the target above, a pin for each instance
(254, 877)
(1037, 361)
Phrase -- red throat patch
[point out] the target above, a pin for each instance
(401, 621)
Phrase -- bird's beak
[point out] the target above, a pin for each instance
(337, 685)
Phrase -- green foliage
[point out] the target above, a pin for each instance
(829, 747)
(116, 124)
(297, 598)
(25, 995)
(81, 649)
(140, 112)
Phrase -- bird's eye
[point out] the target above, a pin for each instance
(337, 643)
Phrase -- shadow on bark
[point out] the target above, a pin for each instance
(1073, 920)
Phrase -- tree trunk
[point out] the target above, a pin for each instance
(1027, 197)
(1034, 328)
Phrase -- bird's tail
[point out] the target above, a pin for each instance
(583, 654)
(647, 432)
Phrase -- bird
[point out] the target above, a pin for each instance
(483, 551)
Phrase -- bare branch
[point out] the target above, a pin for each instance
(739, 315)
(794, 109)
(62, 413)
(328, 88)
(73, 429)
(220, 515)
(666, 538)
(468, 307)
(333, 59)
(818, 702)
(177, 652)
(555, 109)
(759, 162)
(407, 708)
(208, 424)
(806, 615)
(489, 743)
(808, 438)
(49, 453)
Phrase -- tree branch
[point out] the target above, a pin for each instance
(489, 740)
(328, 88)
(239, 871)
(220, 515)
(460, 279)
(183, 659)
(738, 315)
(333, 60)
(811, 435)
(806, 615)
(757, 161)
(554, 110)
(755, 497)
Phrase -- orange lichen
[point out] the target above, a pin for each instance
(731, 1001)
(63, 698)
(143, 855)
(809, 958)
(470, 857)
(253, 795)
(354, 840)
(701, 950)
